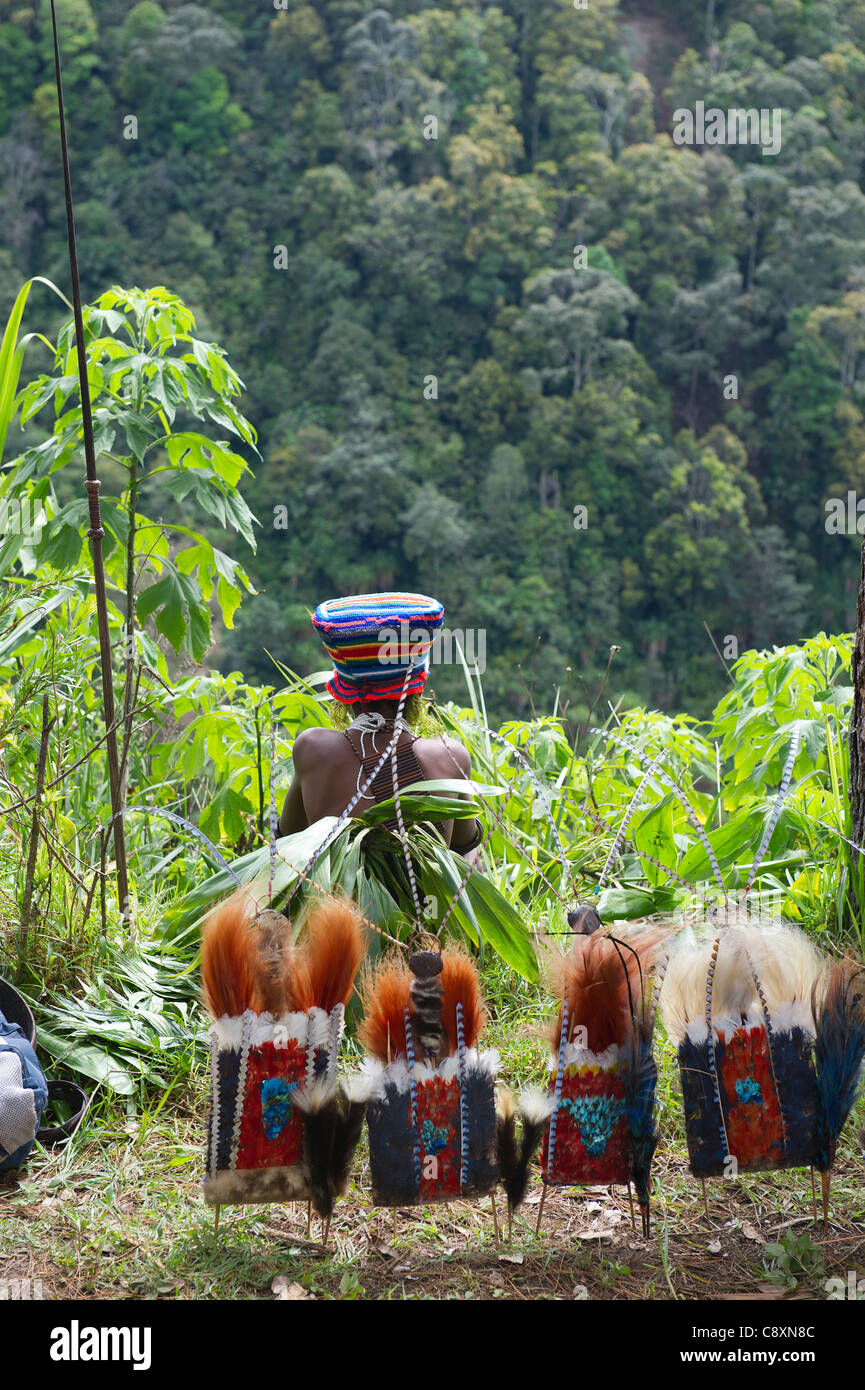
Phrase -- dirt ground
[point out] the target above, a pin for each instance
(84, 1242)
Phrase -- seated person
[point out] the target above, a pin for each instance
(371, 674)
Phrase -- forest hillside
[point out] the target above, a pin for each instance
(504, 339)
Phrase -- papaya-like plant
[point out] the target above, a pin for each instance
(150, 376)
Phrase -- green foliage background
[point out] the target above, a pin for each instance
(281, 184)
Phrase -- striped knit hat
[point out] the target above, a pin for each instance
(374, 639)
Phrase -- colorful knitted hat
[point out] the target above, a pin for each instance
(374, 640)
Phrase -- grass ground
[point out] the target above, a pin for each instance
(117, 1214)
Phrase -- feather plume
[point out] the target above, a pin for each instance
(385, 996)
(346, 1137)
(252, 964)
(535, 1108)
(320, 1104)
(460, 985)
(322, 972)
(507, 1152)
(782, 957)
(594, 978)
(230, 964)
(641, 1075)
(838, 1052)
(786, 961)
(683, 997)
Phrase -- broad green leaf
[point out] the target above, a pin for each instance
(654, 835)
(421, 808)
(97, 1063)
(502, 926)
(623, 904)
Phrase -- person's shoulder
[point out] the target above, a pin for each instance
(315, 743)
(444, 747)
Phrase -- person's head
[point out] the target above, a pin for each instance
(380, 646)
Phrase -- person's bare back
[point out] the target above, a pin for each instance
(328, 771)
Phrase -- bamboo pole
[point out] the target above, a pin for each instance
(30, 875)
(96, 532)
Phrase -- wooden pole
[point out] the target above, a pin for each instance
(96, 532)
(631, 1205)
(541, 1208)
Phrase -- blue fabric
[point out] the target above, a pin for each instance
(12, 1039)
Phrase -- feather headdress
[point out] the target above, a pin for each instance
(602, 1128)
(432, 1121)
(771, 1040)
(760, 965)
(600, 982)
(250, 962)
(282, 1127)
(394, 997)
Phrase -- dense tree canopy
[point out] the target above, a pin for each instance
(503, 338)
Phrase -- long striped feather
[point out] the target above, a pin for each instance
(679, 795)
(784, 788)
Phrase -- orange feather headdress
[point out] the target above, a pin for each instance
(388, 1002)
(251, 962)
(601, 979)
